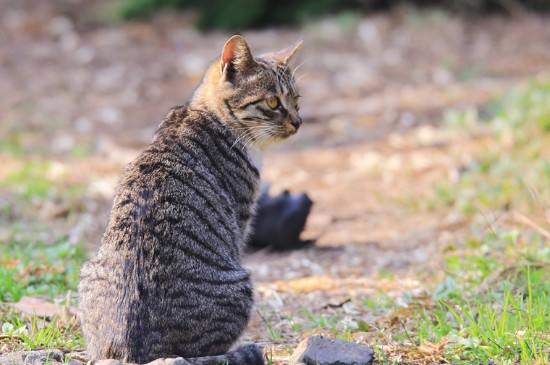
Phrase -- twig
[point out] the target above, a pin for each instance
(2, 337)
(522, 218)
(526, 220)
(407, 333)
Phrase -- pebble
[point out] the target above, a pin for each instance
(37, 357)
(319, 350)
(169, 361)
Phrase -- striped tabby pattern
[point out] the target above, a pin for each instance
(167, 279)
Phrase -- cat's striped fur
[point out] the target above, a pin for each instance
(167, 279)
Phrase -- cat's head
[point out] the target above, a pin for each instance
(256, 96)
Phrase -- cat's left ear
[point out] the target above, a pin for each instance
(236, 59)
(286, 54)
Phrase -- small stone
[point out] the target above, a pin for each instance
(80, 356)
(38, 357)
(169, 361)
(318, 350)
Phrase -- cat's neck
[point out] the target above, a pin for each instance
(211, 93)
(256, 154)
(209, 97)
(172, 126)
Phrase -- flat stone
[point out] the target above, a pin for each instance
(319, 350)
(36, 357)
(75, 362)
(80, 356)
(36, 306)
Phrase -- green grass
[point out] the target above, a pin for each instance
(38, 201)
(512, 171)
(314, 320)
(492, 307)
(24, 333)
(493, 304)
(276, 336)
(40, 253)
(39, 178)
(36, 269)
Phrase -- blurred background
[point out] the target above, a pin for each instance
(424, 128)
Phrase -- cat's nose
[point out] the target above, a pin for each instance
(296, 122)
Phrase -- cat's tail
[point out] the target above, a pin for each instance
(244, 355)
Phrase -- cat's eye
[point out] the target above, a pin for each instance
(273, 102)
(295, 101)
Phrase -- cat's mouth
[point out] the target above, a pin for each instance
(284, 134)
(271, 132)
(291, 127)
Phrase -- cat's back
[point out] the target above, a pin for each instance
(192, 188)
(199, 152)
(174, 239)
(196, 169)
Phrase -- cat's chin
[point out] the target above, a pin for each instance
(273, 139)
(282, 137)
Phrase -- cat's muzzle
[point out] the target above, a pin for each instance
(296, 122)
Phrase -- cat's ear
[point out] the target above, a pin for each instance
(290, 51)
(236, 59)
(286, 54)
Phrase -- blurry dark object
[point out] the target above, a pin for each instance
(235, 14)
(241, 14)
(279, 221)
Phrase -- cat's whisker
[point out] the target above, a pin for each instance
(250, 136)
(297, 67)
(243, 135)
(247, 130)
(263, 138)
(256, 120)
(255, 133)
(276, 128)
(238, 140)
(302, 76)
(249, 142)
(257, 136)
(249, 127)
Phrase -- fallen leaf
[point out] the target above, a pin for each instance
(40, 307)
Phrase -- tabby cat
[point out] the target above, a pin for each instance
(167, 279)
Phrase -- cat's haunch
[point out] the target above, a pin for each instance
(167, 279)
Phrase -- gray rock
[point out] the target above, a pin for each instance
(36, 357)
(75, 362)
(318, 350)
(79, 356)
(169, 361)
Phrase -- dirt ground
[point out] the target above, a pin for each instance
(368, 154)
